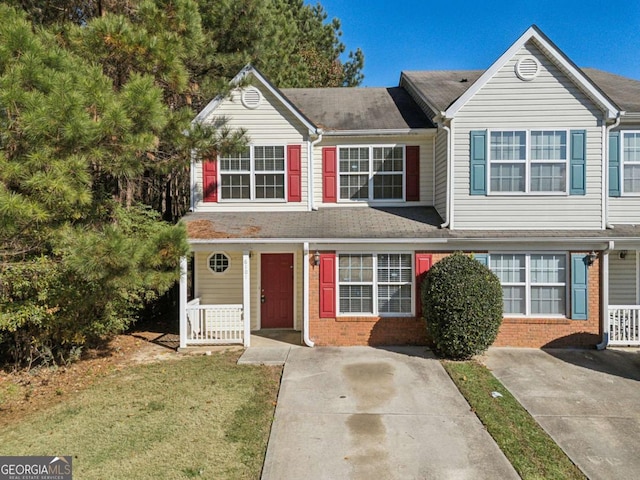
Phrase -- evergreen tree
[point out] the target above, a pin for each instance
(95, 100)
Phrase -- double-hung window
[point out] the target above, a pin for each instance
(371, 173)
(532, 284)
(375, 284)
(631, 162)
(528, 161)
(258, 173)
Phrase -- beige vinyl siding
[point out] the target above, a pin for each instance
(425, 142)
(625, 209)
(441, 173)
(550, 101)
(226, 288)
(622, 278)
(270, 124)
(219, 288)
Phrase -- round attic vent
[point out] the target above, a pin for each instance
(527, 68)
(251, 97)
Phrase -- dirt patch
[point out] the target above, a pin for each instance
(206, 229)
(23, 393)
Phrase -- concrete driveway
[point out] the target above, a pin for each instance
(363, 413)
(588, 401)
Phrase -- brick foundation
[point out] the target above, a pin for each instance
(514, 332)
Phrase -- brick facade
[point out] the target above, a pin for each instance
(529, 332)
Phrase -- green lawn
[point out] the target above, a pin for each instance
(195, 417)
(530, 450)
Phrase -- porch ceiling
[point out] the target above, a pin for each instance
(384, 223)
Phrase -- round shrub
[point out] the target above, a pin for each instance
(462, 303)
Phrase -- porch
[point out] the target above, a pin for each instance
(230, 295)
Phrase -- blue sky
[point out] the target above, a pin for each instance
(456, 34)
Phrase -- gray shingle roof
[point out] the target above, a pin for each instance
(350, 222)
(622, 90)
(442, 87)
(358, 108)
(366, 223)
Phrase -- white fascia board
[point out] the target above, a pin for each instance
(534, 33)
(379, 132)
(208, 110)
(250, 70)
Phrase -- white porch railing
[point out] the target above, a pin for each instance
(214, 324)
(624, 324)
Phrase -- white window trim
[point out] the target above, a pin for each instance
(374, 284)
(252, 178)
(527, 284)
(211, 270)
(527, 162)
(622, 164)
(370, 199)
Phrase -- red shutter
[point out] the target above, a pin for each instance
(327, 285)
(423, 263)
(412, 176)
(210, 180)
(329, 175)
(294, 173)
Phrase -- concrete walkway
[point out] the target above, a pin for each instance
(588, 401)
(366, 413)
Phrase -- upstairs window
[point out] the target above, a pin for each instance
(371, 173)
(258, 173)
(631, 162)
(528, 161)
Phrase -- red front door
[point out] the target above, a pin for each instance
(276, 272)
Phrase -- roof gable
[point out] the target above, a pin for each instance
(556, 55)
(247, 71)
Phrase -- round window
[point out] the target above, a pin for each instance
(218, 263)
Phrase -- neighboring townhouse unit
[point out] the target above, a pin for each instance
(345, 197)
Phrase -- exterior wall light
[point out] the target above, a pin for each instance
(623, 254)
(316, 258)
(591, 258)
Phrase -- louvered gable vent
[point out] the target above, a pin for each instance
(527, 68)
(251, 97)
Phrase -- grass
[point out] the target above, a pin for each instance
(528, 447)
(196, 417)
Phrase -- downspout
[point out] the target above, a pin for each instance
(605, 172)
(192, 179)
(305, 296)
(449, 211)
(310, 192)
(604, 300)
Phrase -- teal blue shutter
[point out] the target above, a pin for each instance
(483, 258)
(579, 286)
(614, 164)
(478, 173)
(577, 164)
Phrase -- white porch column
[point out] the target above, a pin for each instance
(246, 296)
(183, 302)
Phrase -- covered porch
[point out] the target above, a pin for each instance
(624, 296)
(241, 294)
